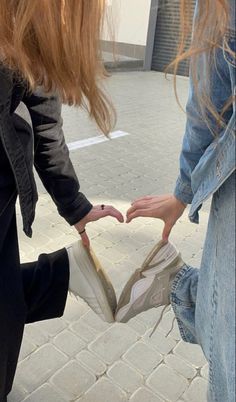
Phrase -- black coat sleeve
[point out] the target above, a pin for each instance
(51, 158)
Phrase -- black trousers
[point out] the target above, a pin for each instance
(28, 292)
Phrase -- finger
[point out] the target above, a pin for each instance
(141, 205)
(155, 201)
(110, 211)
(138, 214)
(85, 239)
(166, 231)
(152, 198)
(146, 198)
(152, 209)
(131, 210)
(116, 214)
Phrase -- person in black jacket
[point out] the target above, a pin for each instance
(38, 290)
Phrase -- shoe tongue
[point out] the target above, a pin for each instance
(164, 256)
(151, 255)
(156, 256)
(157, 259)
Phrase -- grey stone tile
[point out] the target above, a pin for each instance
(39, 366)
(167, 383)
(73, 380)
(103, 391)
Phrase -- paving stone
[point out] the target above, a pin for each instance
(92, 320)
(175, 334)
(26, 248)
(126, 377)
(144, 395)
(113, 343)
(150, 317)
(167, 383)
(104, 391)
(205, 371)
(66, 240)
(38, 367)
(160, 342)
(92, 362)
(35, 335)
(181, 366)
(197, 391)
(138, 257)
(85, 332)
(192, 353)
(73, 380)
(74, 309)
(69, 343)
(27, 348)
(137, 326)
(51, 327)
(100, 245)
(128, 243)
(40, 240)
(54, 217)
(167, 323)
(52, 232)
(18, 393)
(119, 277)
(46, 393)
(64, 228)
(143, 358)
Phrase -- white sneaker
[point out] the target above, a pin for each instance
(89, 281)
(150, 285)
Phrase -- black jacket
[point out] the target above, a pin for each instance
(44, 148)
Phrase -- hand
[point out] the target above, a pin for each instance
(165, 207)
(96, 213)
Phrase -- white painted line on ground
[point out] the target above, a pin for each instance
(95, 140)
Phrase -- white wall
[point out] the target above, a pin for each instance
(130, 20)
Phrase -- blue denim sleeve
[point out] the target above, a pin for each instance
(199, 133)
(198, 136)
(196, 139)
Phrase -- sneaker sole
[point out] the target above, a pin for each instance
(98, 280)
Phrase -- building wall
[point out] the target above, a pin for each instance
(127, 23)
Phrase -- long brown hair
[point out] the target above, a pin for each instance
(210, 28)
(55, 43)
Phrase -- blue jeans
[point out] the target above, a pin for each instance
(204, 300)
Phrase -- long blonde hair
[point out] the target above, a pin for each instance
(210, 27)
(55, 43)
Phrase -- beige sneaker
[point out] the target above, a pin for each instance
(150, 285)
(90, 282)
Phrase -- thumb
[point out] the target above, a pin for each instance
(166, 231)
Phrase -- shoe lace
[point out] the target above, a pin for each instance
(159, 320)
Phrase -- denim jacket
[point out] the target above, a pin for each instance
(43, 147)
(206, 161)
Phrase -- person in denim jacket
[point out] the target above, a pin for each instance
(203, 300)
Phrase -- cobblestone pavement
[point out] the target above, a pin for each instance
(78, 357)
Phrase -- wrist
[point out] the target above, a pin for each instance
(180, 203)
